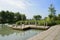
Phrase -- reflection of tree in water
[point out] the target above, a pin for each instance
(6, 30)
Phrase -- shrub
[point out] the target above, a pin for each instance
(57, 21)
(51, 23)
(18, 23)
(41, 22)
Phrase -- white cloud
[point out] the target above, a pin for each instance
(0, 7)
(17, 3)
(23, 6)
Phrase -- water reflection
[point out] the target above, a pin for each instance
(7, 33)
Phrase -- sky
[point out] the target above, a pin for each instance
(30, 7)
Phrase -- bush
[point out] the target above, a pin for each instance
(18, 23)
(51, 23)
(40, 22)
(57, 21)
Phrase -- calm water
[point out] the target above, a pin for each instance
(7, 33)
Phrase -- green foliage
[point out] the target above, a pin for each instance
(26, 22)
(41, 22)
(37, 17)
(10, 17)
(52, 10)
(57, 21)
(51, 23)
(18, 23)
(58, 17)
(23, 17)
(17, 16)
(51, 17)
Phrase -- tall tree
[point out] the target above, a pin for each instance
(58, 17)
(37, 17)
(10, 17)
(2, 17)
(52, 12)
(23, 17)
(17, 16)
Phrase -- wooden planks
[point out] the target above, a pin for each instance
(50, 34)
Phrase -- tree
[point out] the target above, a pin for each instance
(52, 16)
(37, 17)
(23, 17)
(2, 17)
(58, 17)
(17, 16)
(10, 17)
(52, 12)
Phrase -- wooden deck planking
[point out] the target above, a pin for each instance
(50, 34)
(30, 26)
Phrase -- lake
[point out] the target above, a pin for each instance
(7, 33)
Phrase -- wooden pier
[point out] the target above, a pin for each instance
(22, 27)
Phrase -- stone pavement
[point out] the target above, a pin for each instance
(51, 34)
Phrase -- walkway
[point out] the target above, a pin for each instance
(51, 34)
(30, 26)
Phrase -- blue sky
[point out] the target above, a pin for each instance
(30, 7)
